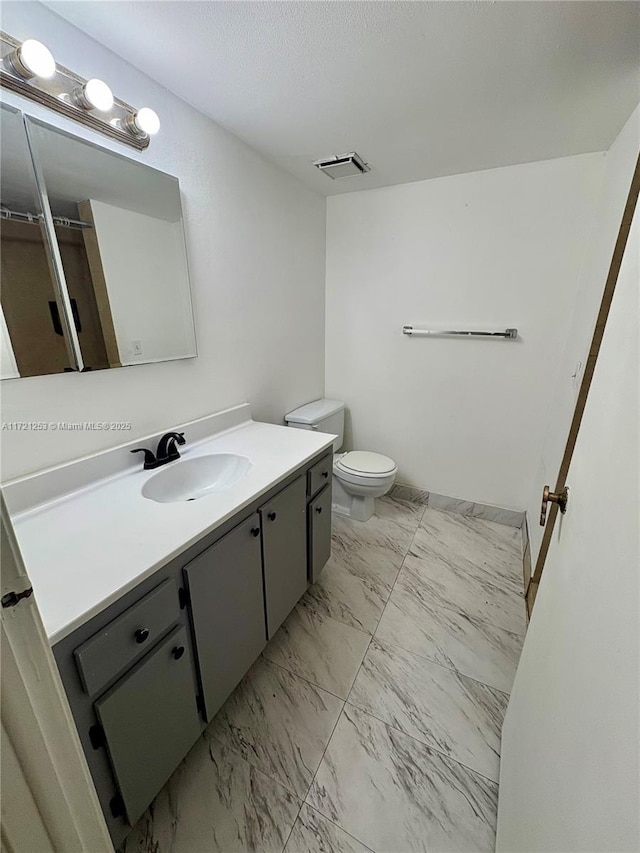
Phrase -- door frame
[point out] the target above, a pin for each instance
(583, 393)
(47, 758)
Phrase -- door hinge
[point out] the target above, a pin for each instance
(183, 597)
(116, 804)
(200, 704)
(13, 598)
(96, 736)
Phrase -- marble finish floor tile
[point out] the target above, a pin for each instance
(313, 833)
(319, 648)
(279, 723)
(355, 598)
(365, 560)
(452, 713)
(413, 620)
(455, 583)
(393, 793)
(374, 548)
(405, 513)
(218, 803)
(409, 493)
(485, 545)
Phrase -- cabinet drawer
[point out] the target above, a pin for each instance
(319, 541)
(319, 475)
(150, 720)
(122, 642)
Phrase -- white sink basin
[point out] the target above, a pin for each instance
(191, 479)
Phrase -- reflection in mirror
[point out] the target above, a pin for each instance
(33, 342)
(122, 244)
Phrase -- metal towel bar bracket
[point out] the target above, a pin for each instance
(511, 334)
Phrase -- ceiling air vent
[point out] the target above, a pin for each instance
(342, 165)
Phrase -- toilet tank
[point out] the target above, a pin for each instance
(321, 415)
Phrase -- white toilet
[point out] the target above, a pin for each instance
(358, 476)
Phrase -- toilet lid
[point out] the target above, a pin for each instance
(363, 462)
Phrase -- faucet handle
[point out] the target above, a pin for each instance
(150, 460)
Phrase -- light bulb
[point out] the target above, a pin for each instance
(95, 95)
(33, 59)
(145, 122)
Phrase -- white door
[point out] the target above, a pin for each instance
(569, 365)
(570, 774)
(48, 799)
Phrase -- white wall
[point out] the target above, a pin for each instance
(145, 269)
(620, 162)
(570, 764)
(255, 242)
(485, 250)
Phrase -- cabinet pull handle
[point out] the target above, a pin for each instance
(325, 474)
(318, 509)
(255, 531)
(141, 635)
(272, 516)
(177, 652)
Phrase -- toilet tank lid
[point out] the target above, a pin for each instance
(313, 412)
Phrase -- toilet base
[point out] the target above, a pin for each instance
(358, 507)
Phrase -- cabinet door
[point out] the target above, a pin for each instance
(227, 608)
(150, 721)
(284, 543)
(319, 522)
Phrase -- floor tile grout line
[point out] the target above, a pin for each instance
(324, 751)
(336, 824)
(391, 646)
(384, 608)
(293, 826)
(304, 678)
(344, 703)
(404, 556)
(421, 742)
(447, 568)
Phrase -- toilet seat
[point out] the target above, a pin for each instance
(363, 464)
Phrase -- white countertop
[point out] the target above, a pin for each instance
(85, 549)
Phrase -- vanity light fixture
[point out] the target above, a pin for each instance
(29, 69)
(94, 95)
(144, 122)
(32, 59)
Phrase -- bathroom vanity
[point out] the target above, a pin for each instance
(147, 667)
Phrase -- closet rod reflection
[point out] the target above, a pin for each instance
(36, 219)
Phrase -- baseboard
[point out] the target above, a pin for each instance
(487, 512)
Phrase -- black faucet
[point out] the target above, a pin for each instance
(167, 450)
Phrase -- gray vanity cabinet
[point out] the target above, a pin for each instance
(146, 674)
(319, 532)
(319, 495)
(150, 720)
(284, 548)
(227, 610)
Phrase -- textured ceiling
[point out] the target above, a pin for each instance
(419, 89)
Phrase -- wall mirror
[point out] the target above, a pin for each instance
(94, 266)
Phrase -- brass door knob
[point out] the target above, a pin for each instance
(559, 498)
